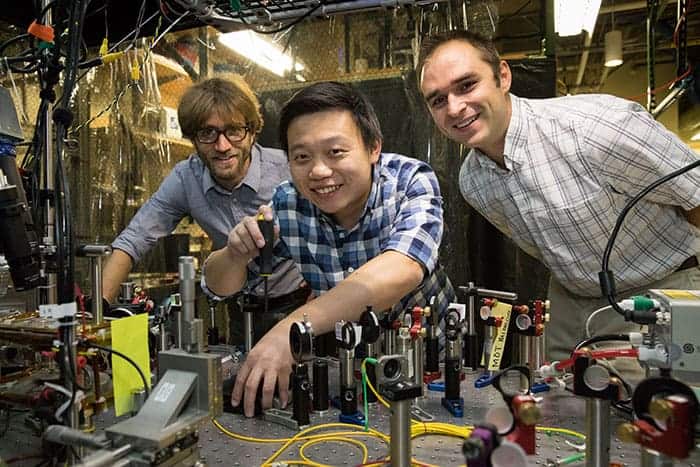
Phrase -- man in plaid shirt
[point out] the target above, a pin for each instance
(363, 227)
(554, 174)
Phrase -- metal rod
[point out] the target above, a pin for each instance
(248, 330)
(597, 432)
(348, 388)
(320, 386)
(48, 293)
(471, 311)
(497, 294)
(389, 341)
(418, 361)
(488, 345)
(186, 272)
(525, 357)
(404, 347)
(400, 433)
(96, 279)
(652, 9)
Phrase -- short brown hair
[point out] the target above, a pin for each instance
(218, 96)
(479, 42)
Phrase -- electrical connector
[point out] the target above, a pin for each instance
(657, 355)
(638, 303)
(636, 339)
(104, 47)
(41, 31)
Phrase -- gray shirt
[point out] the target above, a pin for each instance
(189, 189)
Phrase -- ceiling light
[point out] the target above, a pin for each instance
(613, 48)
(258, 49)
(573, 16)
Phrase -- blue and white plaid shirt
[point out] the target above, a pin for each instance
(403, 213)
(571, 165)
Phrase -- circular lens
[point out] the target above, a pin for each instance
(523, 322)
(513, 381)
(392, 369)
(596, 377)
(501, 418)
(509, 454)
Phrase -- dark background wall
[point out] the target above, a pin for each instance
(472, 249)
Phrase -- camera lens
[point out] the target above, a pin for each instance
(392, 369)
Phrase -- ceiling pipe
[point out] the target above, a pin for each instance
(584, 58)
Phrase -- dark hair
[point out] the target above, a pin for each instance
(479, 42)
(218, 96)
(330, 95)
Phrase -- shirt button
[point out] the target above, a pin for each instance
(351, 270)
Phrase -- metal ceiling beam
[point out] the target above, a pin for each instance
(629, 6)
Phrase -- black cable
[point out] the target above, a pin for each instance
(602, 338)
(606, 278)
(123, 39)
(288, 25)
(123, 356)
(69, 370)
(139, 20)
(40, 17)
(63, 117)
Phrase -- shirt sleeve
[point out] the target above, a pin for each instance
(155, 219)
(634, 150)
(417, 228)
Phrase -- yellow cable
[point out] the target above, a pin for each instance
(295, 462)
(250, 439)
(299, 435)
(371, 387)
(310, 443)
(564, 431)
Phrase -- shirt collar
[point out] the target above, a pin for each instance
(252, 178)
(516, 136)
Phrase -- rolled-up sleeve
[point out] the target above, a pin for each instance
(155, 219)
(417, 228)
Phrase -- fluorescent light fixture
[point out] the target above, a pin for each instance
(258, 49)
(572, 16)
(613, 48)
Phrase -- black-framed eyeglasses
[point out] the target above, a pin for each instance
(209, 134)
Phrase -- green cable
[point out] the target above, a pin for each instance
(573, 458)
(363, 371)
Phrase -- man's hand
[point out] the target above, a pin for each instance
(226, 269)
(246, 239)
(269, 363)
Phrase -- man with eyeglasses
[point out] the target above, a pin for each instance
(228, 178)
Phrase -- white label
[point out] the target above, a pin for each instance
(164, 392)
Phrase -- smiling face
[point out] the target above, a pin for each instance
(467, 102)
(330, 164)
(227, 162)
